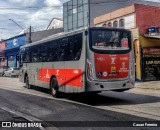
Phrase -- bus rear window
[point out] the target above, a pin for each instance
(110, 40)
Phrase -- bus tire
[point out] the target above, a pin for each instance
(54, 87)
(27, 82)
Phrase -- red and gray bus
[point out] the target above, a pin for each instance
(86, 60)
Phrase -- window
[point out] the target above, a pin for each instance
(64, 14)
(70, 5)
(109, 24)
(80, 8)
(65, 7)
(85, 13)
(70, 48)
(74, 10)
(115, 24)
(107, 40)
(76, 46)
(85, 7)
(80, 15)
(74, 17)
(86, 21)
(70, 18)
(70, 12)
(64, 49)
(74, 3)
(104, 25)
(75, 24)
(85, 1)
(26, 55)
(80, 23)
(80, 2)
(70, 25)
(121, 23)
(35, 53)
(53, 50)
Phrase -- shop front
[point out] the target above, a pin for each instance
(12, 50)
(2, 54)
(147, 55)
(151, 64)
(2, 59)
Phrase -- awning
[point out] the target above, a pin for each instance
(12, 49)
(155, 36)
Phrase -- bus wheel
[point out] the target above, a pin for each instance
(27, 82)
(54, 88)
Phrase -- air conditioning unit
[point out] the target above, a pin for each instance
(153, 31)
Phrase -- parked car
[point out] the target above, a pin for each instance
(12, 72)
(2, 69)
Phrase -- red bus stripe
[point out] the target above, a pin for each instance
(71, 77)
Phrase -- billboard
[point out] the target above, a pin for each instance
(15, 42)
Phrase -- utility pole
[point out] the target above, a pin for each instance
(30, 34)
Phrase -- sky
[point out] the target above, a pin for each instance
(35, 13)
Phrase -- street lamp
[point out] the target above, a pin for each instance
(30, 41)
(16, 23)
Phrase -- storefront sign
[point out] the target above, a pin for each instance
(151, 64)
(15, 42)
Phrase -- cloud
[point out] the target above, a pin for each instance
(42, 18)
(24, 2)
(53, 2)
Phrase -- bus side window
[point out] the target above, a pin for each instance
(77, 46)
(35, 54)
(78, 54)
(53, 51)
(65, 50)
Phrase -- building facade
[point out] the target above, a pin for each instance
(12, 50)
(81, 13)
(143, 21)
(75, 14)
(2, 54)
(55, 23)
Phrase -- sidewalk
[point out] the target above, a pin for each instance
(154, 85)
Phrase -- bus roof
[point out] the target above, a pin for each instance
(55, 36)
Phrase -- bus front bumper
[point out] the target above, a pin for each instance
(118, 85)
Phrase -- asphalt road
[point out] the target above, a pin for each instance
(107, 106)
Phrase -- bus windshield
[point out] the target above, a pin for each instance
(107, 39)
